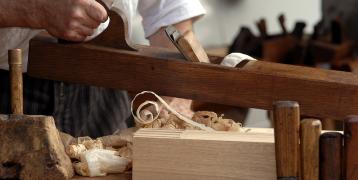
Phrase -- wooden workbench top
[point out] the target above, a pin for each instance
(109, 177)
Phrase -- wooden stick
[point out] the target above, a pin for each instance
(331, 156)
(350, 148)
(282, 20)
(262, 27)
(286, 116)
(16, 89)
(310, 132)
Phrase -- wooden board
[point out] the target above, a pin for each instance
(175, 154)
(321, 93)
(109, 177)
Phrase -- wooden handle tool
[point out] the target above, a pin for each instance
(262, 27)
(282, 20)
(331, 149)
(310, 132)
(286, 116)
(350, 148)
(188, 45)
(298, 31)
(16, 89)
(336, 29)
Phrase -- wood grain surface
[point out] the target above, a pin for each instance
(350, 148)
(16, 84)
(286, 117)
(166, 73)
(331, 151)
(310, 131)
(191, 155)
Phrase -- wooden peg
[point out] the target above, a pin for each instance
(262, 27)
(331, 149)
(286, 116)
(282, 20)
(16, 89)
(310, 132)
(350, 148)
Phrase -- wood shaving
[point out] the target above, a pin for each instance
(101, 151)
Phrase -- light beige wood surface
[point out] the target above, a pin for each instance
(127, 176)
(175, 154)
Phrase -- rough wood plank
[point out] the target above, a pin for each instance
(172, 154)
(286, 117)
(31, 148)
(257, 86)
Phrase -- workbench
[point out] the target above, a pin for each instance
(120, 65)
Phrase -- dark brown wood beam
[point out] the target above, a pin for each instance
(320, 93)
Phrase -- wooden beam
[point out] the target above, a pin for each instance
(321, 93)
(173, 154)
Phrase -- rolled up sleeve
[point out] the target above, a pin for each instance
(161, 13)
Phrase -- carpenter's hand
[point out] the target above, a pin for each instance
(71, 20)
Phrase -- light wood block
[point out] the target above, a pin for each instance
(175, 154)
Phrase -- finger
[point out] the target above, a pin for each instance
(89, 22)
(96, 11)
(84, 30)
(74, 36)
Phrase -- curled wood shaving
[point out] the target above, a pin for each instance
(145, 117)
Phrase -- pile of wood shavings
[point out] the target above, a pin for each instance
(113, 154)
(98, 157)
(207, 118)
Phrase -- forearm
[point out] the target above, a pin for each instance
(17, 13)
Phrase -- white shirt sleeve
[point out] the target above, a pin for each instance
(160, 13)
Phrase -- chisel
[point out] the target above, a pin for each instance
(188, 45)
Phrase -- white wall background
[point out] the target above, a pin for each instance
(221, 24)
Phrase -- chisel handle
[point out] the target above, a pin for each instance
(286, 117)
(331, 152)
(310, 132)
(16, 85)
(350, 148)
(282, 21)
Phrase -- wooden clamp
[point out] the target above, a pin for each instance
(137, 68)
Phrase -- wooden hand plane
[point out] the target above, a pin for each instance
(111, 61)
